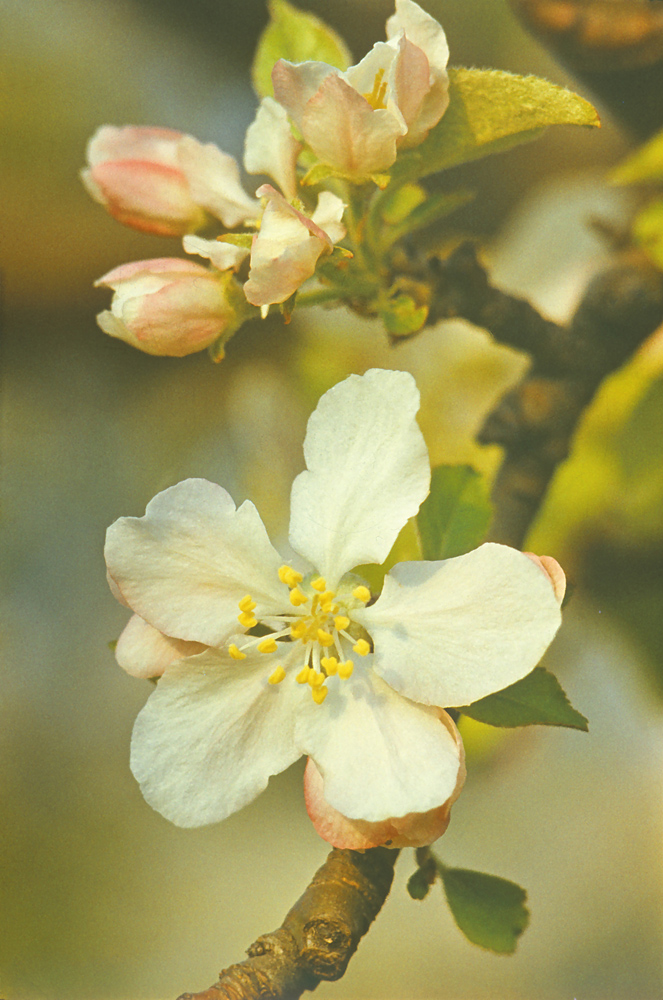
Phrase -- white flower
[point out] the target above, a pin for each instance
(355, 685)
(355, 121)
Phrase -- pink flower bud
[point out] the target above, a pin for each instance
(413, 830)
(168, 306)
(162, 181)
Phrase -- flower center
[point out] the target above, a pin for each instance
(376, 97)
(320, 622)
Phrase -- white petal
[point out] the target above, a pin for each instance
(328, 215)
(214, 182)
(186, 564)
(223, 255)
(379, 754)
(143, 651)
(271, 148)
(368, 472)
(210, 737)
(448, 633)
(296, 83)
(423, 30)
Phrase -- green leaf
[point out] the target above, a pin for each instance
(297, 36)
(490, 911)
(536, 700)
(491, 111)
(648, 230)
(455, 515)
(646, 164)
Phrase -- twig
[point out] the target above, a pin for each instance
(536, 420)
(318, 936)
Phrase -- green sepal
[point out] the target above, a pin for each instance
(402, 316)
(489, 112)
(321, 171)
(397, 203)
(436, 207)
(646, 164)
(454, 517)
(536, 700)
(490, 911)
(297, 36)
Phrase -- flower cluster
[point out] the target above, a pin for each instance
(260, 661)
(350, 123)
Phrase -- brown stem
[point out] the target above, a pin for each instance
(614, 46)
(319, 935)
(535, 421)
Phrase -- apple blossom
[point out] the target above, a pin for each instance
(162, 181)
(302, 661)
(169, 306)
(356, 120)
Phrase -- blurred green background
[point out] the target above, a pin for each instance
(99, 896)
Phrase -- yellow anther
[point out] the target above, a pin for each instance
(247, 603)
(235, 652)
(319, 584)
(319, 695)
(345, 669)
(330, 665)
(290, 576)
(297, 598)
(315, 679)
(267, 645)
(362, 647)
(302, 676)
(327, 597)
(324, 638)
(297, 629)
(341, 622)
(362, 593)
(277, 676)
(246, 619)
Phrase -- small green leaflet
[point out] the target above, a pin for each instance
(536, 700)
(491, 111)
(297, 36)
(454, 517)
(490, 911)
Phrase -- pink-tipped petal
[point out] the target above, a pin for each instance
(553, 571)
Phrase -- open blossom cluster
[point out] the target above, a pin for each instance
(260, 661)
(165, 182)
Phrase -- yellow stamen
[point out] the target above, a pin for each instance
(247, 603)
(267, 645)
(341, 622)
(319, 584)
(330, 665)
(376, 97)
(297, 598)
(319, 695)
(315, 679)
(302, 676)
(361, 593)
(345, 669)
(297, 629)
(290, 576)
(235, 652)
(362, 647)
(324, 638)
(277, 676)
(246, 619)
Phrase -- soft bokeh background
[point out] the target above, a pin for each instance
(101, 897)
